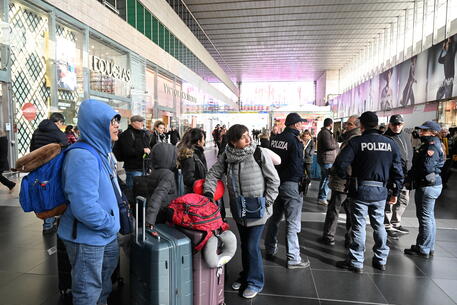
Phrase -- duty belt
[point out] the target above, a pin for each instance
(371, 183)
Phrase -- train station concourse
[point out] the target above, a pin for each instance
(331, 124)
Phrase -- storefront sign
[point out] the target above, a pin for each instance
(179, 93)
(29, 111)
(109, 68)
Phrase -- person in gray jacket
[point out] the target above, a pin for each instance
(339, 191)
(393, 213)
(249, 178)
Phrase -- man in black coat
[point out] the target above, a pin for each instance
(174, 135)
(132, 147)
(49, 132)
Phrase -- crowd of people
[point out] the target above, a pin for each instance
(369, 173)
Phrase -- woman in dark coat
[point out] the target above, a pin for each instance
(191, 157)
(4, 165)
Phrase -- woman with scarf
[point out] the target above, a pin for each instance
(248, 178)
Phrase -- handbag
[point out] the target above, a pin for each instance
(125, 217)
(248, 207)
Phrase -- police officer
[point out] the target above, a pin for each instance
(289, 201)
(376, 166)
(427, 163)
(393, 213)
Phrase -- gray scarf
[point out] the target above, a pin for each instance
(236, 155)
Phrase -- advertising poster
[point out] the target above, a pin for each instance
(388, 87)
(373, 100)
(66, 64)
(361, 98)
(441, 70)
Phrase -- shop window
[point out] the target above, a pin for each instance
(131, 12)
(147, 24)
(155, 30)
(140, 17)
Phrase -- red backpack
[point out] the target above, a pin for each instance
(197, 212)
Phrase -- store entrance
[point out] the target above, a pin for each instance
(7, 126)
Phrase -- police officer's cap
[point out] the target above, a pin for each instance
(430, 125)
(396, 119)
(293, 118)
(369, 118)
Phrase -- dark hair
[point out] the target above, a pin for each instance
(189, 139)
(68, 128)
(328, 122)
(57, 117)
(235, 133)
(369, 125)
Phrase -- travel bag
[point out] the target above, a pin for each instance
(160, 264)
(208, 282)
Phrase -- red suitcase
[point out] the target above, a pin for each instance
(208, 282)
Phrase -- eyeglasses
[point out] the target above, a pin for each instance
(115, 121)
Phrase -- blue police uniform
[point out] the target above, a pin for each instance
(427, 163)
(376, 167)
(289, 201)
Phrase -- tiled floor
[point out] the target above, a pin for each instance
(28, 271)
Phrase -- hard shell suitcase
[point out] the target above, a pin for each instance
(208, 282)
(160, 265)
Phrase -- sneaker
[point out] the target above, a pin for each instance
(414, 250)
(249, 293)
(300, 265)
(270, 256)
(401, 230)
(327, 241)
(236, 285)
(378, 265)
(322, 202)
(349, 266)
(392, 234)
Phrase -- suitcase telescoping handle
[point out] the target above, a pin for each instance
(142, 200)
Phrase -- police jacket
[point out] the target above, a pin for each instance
(130, 148)
(47, 133)
(376, 165)
(290, 149)
(427, 163)
(404, 143)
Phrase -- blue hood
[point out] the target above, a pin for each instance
(94, 119)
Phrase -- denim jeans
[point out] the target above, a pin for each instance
(393, 213)
(323, 185)
(425, 205)
(251, 257)
(92, 267)
(48, 223)
(337, 200)
(375, 210)
(129, 177)
(289, 203)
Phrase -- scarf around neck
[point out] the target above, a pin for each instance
(236, 155)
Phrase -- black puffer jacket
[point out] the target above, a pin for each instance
(130, 148)
(47, 133)
(161, 184)
(193, 166)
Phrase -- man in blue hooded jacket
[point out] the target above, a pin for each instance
(90, 224)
